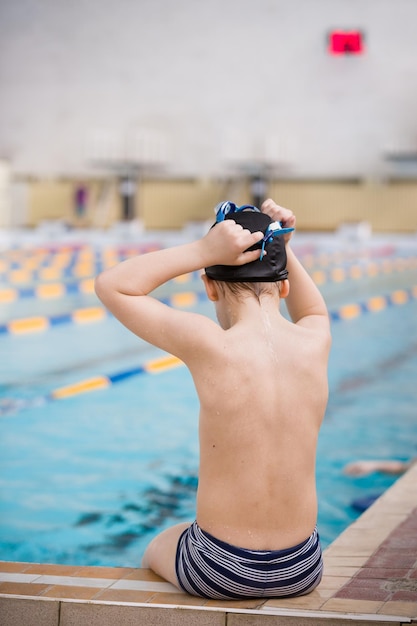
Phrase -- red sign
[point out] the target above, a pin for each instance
(346, 42)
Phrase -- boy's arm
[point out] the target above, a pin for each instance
(304, 302)
(124, 289)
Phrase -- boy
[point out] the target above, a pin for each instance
(262, 386)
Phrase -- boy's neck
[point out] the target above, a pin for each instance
(247, 309)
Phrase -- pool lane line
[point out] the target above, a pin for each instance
(64, 256)
(41, 323)
(88, 315)
(373, 304)
(47, 291)
(357, 271)
(190, 299)
(82, 265)
(59, 248)
(55, 273)
(155, 366)
(11, 406)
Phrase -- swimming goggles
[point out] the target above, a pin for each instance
(274, 229)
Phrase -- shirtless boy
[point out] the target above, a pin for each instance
(262, 385)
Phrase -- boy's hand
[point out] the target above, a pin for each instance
(226, 243)
(279, 214)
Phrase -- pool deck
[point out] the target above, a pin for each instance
(370, 577)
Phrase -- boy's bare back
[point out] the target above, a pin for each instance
(263, 393)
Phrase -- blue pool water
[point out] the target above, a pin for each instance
(91, 479)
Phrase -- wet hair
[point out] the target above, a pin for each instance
(240, 290)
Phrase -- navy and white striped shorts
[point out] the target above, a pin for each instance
(208, 567)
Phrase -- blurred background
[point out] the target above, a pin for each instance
(154, 111)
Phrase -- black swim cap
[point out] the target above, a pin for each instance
(268, 268)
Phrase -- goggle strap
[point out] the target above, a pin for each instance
(272, 231)
(224, 208)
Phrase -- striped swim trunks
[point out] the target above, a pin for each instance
(210, 568)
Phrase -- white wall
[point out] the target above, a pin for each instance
(199, 83)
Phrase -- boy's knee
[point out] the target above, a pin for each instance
(145, 560)
(160, 554)
(147, 555)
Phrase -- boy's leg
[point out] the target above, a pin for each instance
(160, 553)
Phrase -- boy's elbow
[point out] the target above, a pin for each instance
(102, 286)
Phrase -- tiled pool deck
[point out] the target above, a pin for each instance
(370, 577)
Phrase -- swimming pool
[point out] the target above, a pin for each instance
(91, 479)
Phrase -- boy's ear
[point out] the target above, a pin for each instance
(284, 288)
(211, 288)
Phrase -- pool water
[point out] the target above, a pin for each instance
(92, 478)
